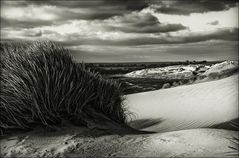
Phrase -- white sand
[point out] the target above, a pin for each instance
(189, 106)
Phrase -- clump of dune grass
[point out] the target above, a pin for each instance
(41, 85)
(234, 147)
(234, 141)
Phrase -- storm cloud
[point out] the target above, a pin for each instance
(186, 7)
(121, 24)
(82, 9)
(142, 23)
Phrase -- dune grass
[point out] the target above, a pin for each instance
(41, 85)
(235, 141)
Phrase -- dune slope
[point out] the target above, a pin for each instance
(190, 106)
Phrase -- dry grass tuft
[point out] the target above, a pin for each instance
(41, 85)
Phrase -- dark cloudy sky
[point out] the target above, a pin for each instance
(128, 30)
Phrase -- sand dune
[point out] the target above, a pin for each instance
(190, 106)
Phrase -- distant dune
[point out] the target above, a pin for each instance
(201, 71)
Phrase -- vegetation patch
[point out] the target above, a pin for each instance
(41, 85)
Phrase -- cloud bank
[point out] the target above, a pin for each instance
(122, 23)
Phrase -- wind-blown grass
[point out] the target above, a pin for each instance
(40, 84)
(234, 142)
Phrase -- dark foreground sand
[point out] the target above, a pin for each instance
(73, 141)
